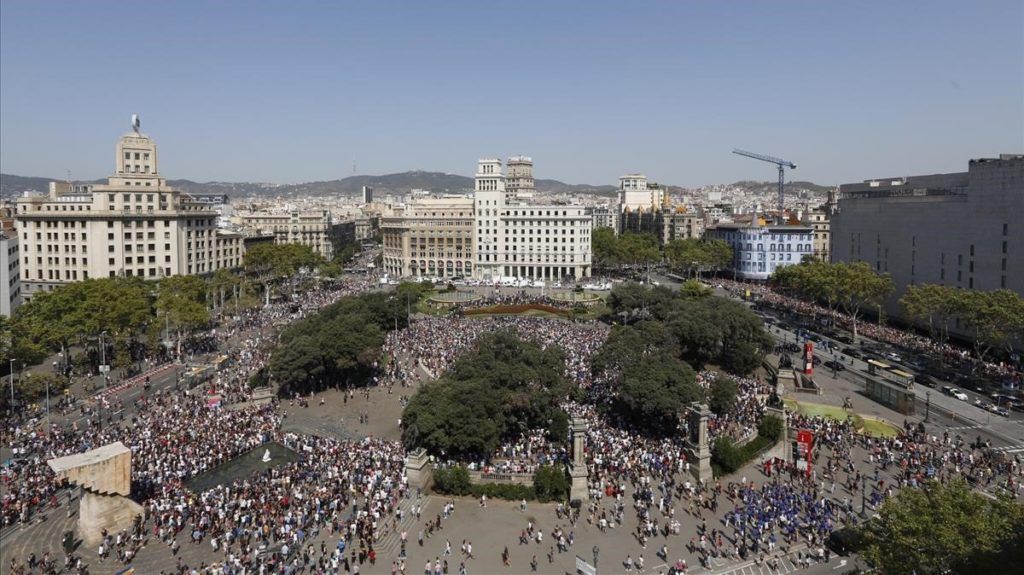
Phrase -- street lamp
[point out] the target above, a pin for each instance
(927, 405)
(12, 385)
(863, 493)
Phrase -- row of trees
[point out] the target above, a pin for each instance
(630, 249)
(133, 312)
(850, 286)
(995, 318)
(669, 336)
(502, 389)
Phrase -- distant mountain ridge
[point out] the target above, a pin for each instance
(400, 183)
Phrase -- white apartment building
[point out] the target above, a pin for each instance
(635, 194)
(135, 225)
(429, 237)
(547, 242)
(310, 228)
(10, 273)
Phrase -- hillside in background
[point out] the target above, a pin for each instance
(438, 182)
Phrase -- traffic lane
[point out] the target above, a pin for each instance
(859, 367)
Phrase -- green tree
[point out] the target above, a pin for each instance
(859, 286)
(722, 395)
(604, 247)
(996, 318)
(652, 392)
(551, 483)
(503, 388)
(770, 427)
(181, 301)
(222, 284)
(946, 529)
(693, 289)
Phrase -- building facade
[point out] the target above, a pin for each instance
(758, 250)
(311, 228)
(606, 217)
(135, 225)
(10, 273)
(367, 194)
(519, 185)
(526, 240)
(681, 225)
(429, 237)
(962, 229)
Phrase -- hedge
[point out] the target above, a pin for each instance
(514, 309)
(552, 482)
(727, 458)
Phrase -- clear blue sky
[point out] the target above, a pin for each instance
(295, 91)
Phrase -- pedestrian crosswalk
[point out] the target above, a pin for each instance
(784, 564)
(391, 544)
(966, 427)
(1010, 448)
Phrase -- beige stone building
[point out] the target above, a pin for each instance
(135, 225)
(429, 237)
(310, 228)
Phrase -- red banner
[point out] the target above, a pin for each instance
(809, 358)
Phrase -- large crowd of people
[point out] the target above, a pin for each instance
(353, 489)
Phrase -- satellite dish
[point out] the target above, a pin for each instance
(136, 123)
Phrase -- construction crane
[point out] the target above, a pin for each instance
(782, 164)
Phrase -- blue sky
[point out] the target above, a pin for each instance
(295, 91)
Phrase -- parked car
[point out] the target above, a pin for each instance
(959, 395)
(852, 352)
(831, 364)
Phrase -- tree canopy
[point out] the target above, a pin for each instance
(946, 529)
(694, 255)
(852, 286)
(502, 388)
(281, 260)
(339, 345)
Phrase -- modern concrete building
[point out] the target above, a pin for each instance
(135, 225)
(429, 237)
(310, 228)
(759, 249)
(367, 195)
(962, 229)
(524, 240)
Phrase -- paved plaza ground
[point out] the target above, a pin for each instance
(490, 529)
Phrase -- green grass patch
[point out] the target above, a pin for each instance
(878, 428)
(873, 427)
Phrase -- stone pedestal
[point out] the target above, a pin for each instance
(98, 512)
(418, 469)
(700, 464)
(780, 412)
(578, 467)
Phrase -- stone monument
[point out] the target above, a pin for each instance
(105, 476)
(578, 466)
(700, 450)
(418, 469)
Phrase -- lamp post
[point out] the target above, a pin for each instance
(12, 386)
(927, 406)
(48, 403)
(863, 493)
